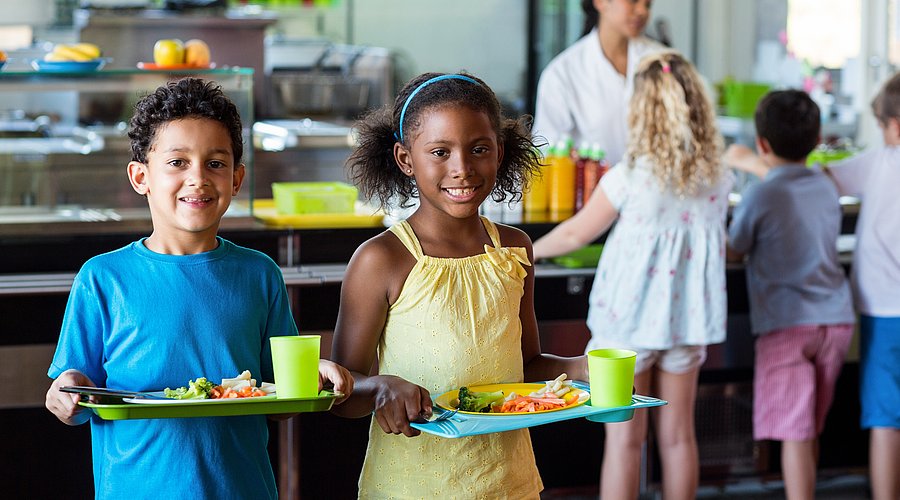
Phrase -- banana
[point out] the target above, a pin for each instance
(54, 57)
(89, 49)
(73, 52)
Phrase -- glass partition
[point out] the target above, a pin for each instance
(64, 144)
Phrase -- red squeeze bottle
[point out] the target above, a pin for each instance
(591, 172)
(580, 165)
(604, 164)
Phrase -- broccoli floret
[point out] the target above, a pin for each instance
(479, 402)
(199, 389)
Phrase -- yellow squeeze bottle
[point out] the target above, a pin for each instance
(562, 183)
(535, 192)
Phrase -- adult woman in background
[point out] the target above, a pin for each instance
(583, 93)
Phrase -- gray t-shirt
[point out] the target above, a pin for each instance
(788, 225)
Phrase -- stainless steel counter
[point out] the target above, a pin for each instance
(82, 220)
(312, 275)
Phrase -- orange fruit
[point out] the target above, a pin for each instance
(196, 53)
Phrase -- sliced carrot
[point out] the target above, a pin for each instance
(531, 404)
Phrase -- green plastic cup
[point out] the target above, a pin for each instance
(612, 377)
(295, 360)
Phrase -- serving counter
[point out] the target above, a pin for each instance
(315, 454)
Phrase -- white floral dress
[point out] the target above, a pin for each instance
(661, 280)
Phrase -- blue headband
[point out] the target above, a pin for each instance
(423, 85)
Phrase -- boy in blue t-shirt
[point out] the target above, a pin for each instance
(800, 304)
(180, 304)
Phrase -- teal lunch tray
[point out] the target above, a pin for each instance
(461, 425)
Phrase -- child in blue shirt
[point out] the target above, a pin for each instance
(177, 305)
(800, 304)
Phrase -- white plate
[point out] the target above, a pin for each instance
(167, 401)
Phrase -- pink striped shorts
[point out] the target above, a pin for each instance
(794, 378)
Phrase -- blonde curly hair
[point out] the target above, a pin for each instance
(672, 123)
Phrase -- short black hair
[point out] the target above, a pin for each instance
(185, 98)
(789, 120)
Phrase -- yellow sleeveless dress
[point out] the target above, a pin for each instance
(456, 322)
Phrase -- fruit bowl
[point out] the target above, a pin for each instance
(149, 66)
(68, 66)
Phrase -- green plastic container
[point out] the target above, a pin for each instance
(587, 256)
(314, 197)
(741, 98)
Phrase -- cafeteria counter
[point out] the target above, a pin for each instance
(39, 268)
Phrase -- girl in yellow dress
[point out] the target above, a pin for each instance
(444, 298)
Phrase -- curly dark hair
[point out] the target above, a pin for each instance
(185, 98)
(375, 171)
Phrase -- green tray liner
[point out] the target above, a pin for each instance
(239, 406)
(461, 425)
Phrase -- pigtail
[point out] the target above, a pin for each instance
(372, 166)
(591, 16)
(521, 159)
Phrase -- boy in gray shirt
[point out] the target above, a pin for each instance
(800, 304)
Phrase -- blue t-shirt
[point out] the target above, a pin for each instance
(145, 321)
(788, 224)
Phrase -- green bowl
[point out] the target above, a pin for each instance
(826, 156)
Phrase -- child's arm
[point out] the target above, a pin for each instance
(584, 227)
(65, 405)
(743, 158)
(373, 281)
(851, 175)
(538, 366)
(732, 255)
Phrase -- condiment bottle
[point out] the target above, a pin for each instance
(592, 171)
(534, 194)
(581, 162)
(562, 183)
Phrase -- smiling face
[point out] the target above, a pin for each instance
(454, 159)
(627, 17)
(189, 180)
